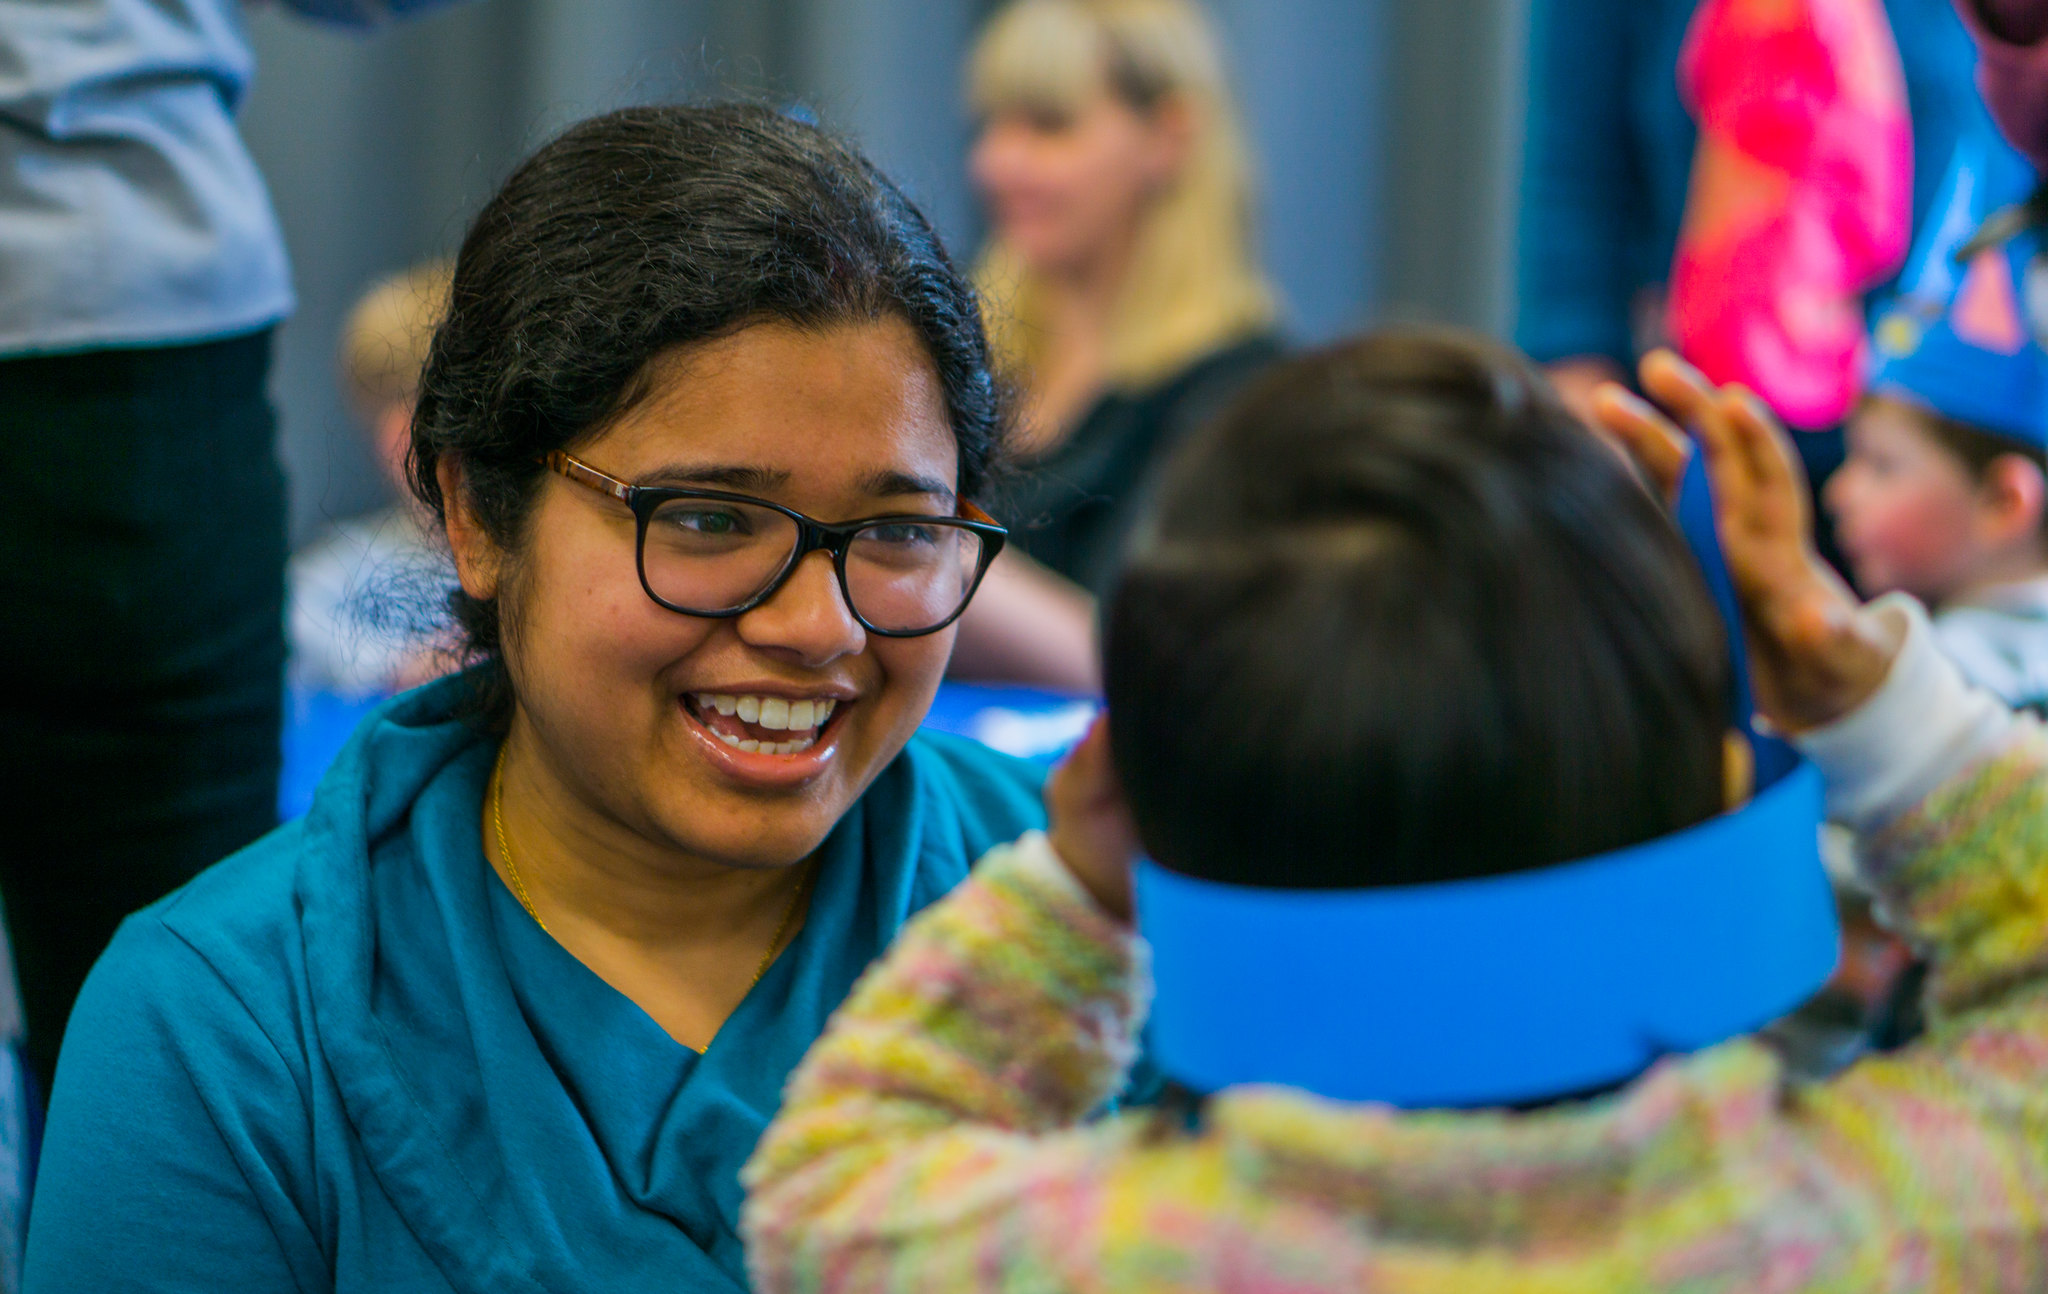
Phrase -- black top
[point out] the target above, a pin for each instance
(1072, 509)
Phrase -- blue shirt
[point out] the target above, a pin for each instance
(130, 211)
(1609, 149)
(345, 1059)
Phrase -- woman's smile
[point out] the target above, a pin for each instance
(769, 736)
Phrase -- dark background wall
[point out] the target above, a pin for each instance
(1385, 130)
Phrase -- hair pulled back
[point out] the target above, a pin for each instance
(650, 228)
(1397, 618)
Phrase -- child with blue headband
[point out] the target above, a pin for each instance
(1405, 653)
(1945, 491)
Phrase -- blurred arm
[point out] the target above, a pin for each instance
(2021, 22)
(2013, 73)
(1028, 625)
(1947, 790)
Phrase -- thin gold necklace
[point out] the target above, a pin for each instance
(796, 894)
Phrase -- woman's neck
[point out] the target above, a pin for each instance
(685, 938)
(1078, 304)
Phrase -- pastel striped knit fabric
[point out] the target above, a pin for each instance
(935, 1139)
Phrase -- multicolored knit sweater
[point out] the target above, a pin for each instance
(934, 1139)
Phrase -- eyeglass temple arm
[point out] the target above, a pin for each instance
(583, 474)
(968, 512)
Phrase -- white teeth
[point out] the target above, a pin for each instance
(771, 712)
(768, 747)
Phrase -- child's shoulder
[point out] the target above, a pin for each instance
(2000, 640)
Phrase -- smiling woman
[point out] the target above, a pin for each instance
(509, 1007)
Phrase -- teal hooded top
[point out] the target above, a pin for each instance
(345, 1059)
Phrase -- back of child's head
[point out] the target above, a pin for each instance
(385, 338)
(1398, 618)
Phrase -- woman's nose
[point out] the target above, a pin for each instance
(808, 616)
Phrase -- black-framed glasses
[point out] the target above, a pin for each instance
(714, 554)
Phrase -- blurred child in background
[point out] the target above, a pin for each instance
(367, 597)
(1945, 491)
(1397, 622)
(1122, 288)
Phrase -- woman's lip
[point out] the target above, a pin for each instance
(787, 691)
(757, 769)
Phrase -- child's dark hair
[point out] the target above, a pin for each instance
(1397, 618)
(1977, 449)
(650, 228)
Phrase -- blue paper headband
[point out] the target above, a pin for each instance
(1512, 988)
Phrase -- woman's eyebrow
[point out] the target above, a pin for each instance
(744, 478)
(737, 477)
(889, 482)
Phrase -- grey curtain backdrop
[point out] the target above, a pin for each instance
(1385, 129)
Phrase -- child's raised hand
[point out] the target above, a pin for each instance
(1814, 654)
(1091, 827)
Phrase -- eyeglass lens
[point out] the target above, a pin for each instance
(713, 555)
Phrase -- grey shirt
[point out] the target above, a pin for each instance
(130, 212)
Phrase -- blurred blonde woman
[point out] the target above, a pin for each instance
(1121, 289)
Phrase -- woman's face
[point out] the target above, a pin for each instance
(838, 423)
(1064, 189)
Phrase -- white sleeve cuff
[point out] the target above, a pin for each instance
(1922, 726)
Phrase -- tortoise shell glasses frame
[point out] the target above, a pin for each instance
(808, 535)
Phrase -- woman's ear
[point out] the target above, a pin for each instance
(2012, 500)
(476, 556)
(1738, 769)
(1173, 127)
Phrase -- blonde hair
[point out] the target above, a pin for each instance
(1194, 284)
(384, 342)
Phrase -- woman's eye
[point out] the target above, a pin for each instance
(706, 521)
(1047, 120)
(903, 534)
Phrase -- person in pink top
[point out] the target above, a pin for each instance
(1800, 199)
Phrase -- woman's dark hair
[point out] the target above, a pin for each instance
(651, 228)
(1397, 618)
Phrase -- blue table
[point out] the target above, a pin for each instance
(1021, 721)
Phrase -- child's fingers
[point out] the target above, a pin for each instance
(1649, 438)
(1087, 772)
(1727, 465)
(1676, 385)
(1092, 753)
(1765, 445)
